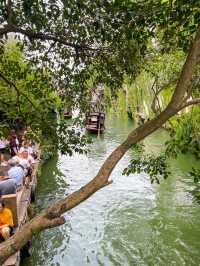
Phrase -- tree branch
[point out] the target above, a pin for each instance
(9, 12)
(44, 37)
(189, 103)
(153, 104)
(158, 91)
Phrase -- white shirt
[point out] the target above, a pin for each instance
(29, 150)
(3, 144)
(21, 161)
(24, 163)
(17, 141)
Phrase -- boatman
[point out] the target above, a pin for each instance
(6, 221)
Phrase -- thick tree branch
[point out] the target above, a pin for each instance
(158, 91)
(44, 37)
(43, 220)
(9, 12)
(190, 102)
(185, 79)
(155, 99)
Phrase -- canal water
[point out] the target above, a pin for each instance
(130, 222)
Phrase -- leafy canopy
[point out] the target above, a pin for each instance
(65, 43)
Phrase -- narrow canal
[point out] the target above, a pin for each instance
(131, 222)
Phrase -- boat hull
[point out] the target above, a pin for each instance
(94, 130)
(68, 115)
(22, 201)
(95, 122)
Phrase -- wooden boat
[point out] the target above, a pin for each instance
(19, 203)
(68, 114)
(95, 122)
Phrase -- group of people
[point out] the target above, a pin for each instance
(17, 158)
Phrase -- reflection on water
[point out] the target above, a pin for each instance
(130, 222)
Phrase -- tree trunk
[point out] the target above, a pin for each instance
(52, 216)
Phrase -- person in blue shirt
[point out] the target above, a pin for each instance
(16, 172)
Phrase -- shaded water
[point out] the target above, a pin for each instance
(130, 222)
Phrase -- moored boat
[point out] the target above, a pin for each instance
(68, 114)
(95, 122)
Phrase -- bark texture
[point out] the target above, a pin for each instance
(53, 216)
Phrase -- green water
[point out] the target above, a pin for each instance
(130, 222)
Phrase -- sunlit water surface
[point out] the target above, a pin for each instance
(130, 222)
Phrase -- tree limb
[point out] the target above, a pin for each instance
(190, 102)
(153, 104)
(44, 37)
(158, 91)
(9, 12)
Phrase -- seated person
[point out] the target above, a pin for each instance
(22, 159)
(7, 186)
(4, 169)
(6, 221)
(32, 144)
(26, 147)
(16, 172)
(3, 146)
(25, 161)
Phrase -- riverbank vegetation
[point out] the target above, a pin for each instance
(146, 53)
(28, 99)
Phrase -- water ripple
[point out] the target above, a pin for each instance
(130, 222)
